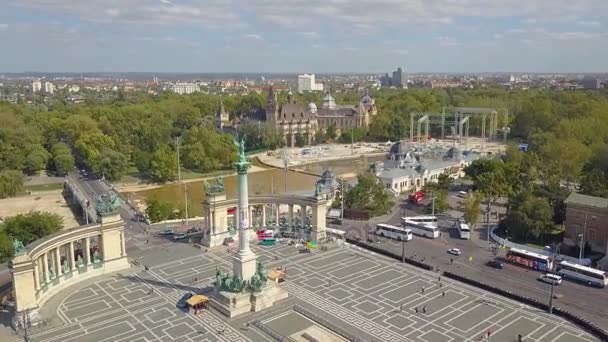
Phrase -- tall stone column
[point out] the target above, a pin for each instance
(244, 263)
(72, 257)
(45, 266)
(290, 213)
(59, 270)
(263, 215)
(36, 276)
(87, 250)
(276, 214)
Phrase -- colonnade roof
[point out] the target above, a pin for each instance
(274, 199)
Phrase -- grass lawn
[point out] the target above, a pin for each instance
(43, 187)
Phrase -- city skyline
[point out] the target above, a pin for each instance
(313, 36)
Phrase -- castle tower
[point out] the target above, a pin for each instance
(272, 105)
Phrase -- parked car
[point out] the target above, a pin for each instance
(180, 236)
(495, 264)
(229, 242)
(182, 303)
(550, 278)
(166, 232)
(454, 251)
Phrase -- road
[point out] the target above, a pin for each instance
(587, 302)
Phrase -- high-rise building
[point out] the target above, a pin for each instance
(307, 82)
(48, 88)
(399, 79)
(36, 86)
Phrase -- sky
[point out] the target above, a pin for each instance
(304, 35)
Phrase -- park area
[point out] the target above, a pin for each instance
(49, 201)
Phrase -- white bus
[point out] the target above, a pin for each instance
(393, 232)
(421, 219)
(588, 275)
(425, 229)
(464, 232)
(533, 260)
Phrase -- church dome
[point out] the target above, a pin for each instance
(312, 107)
(366, 99)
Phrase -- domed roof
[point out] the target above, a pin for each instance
(312, 107)
(365, 99)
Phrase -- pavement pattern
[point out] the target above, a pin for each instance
(346, 288)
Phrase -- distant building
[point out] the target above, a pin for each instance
(48, 88)
(307, 82)
(587, 218)
(398, 79)
(184, 88)
(36, 86)
(403, 171)
(590, 83)
(222, 119)
(296, 120)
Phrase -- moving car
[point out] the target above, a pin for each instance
(551, 278)
(454, 251)
(180, 236)
(495, 264)
(462, 194)
(166, 232)
(182, 303)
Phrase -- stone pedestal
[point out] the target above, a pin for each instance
(266, 298)
(244, 264)
(231, 304)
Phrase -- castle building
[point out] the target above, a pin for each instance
(222, 118)
(293, 119)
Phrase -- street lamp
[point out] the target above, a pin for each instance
(582, 238)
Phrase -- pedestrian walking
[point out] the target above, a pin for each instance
(519, 338)
(422, 290)
(488, 334)
(440, 285)
(147, 242)
(452, 261)
(416, 309)
(443, 294)
(439, 279)
(424, 309)
(401, 308)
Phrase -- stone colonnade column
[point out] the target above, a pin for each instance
(290, 217)
(72, 257)
(36, 275)
(123, 251)
(58, 261)
(276, 214)
(263, 215)
(45, 266)
(87, 250)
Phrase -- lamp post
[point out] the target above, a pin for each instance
(582, 238)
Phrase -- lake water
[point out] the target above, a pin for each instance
(264, 182)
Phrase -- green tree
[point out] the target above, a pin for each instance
(530, 218)
(63, 159)
(163, 166)
(6, 247)
(112, 165)
(444, 181)
(32, 226)
(11, 183)
(368, 194)
(471, 209)
(36, 160)
(158, 210)
(330, 133)
(440, 203)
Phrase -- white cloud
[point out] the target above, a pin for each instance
(402, 52)
(497, 36)
(350, 48)
(3, 26)
(166, 2)
(315, 46)
(253, 36)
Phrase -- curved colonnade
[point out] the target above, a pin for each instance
(263, 212)
(67, 257)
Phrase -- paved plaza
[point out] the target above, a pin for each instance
(343, 290)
